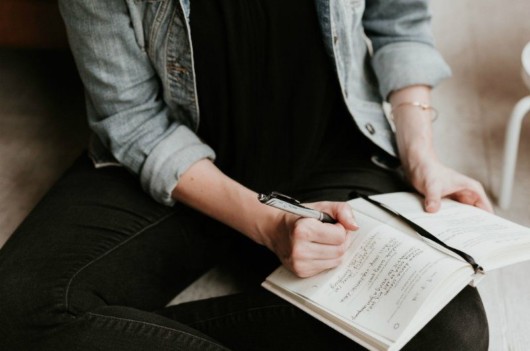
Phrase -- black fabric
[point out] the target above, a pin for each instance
(97, 260)
(271, 105)
(95, 263)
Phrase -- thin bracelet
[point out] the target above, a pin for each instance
(424, 107)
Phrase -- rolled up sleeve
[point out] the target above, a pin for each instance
(169, 159)
(124, 98)
(404, 53)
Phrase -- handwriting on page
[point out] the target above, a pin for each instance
(389, 272)
(375, 266)
(472, 230)
(385, 286)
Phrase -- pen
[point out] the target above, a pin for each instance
(288, 204)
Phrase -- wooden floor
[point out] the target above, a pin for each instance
(42, 129)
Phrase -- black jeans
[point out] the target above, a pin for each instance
(95, 263)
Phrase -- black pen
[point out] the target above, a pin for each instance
(288, 204)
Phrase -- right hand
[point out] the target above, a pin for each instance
(307, 246)
(304, 245)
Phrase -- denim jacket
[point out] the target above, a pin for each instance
(135, 58)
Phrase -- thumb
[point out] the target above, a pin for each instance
(343, 213)
(433, 196)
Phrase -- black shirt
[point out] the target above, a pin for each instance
(269, 99)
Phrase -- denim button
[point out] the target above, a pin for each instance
(370, 128)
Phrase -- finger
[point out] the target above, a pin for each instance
(345, 216)
(485, 204)
(317, 251)
(312, 230)
(341, 211)
(315, 258)
(305, 269)
(475, 197)
(483, 201)
(433, 197)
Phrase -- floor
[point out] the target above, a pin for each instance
(42, 130)
(482, 41)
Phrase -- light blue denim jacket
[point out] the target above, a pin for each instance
(135, 58)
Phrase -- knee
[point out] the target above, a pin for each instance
(461, 325)
(27, 308)
(469, 327)
(12, 308)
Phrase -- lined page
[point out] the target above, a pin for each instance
(382, 283)
(472, 230)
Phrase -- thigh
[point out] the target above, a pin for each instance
(259, 320)
(345, 179)
(461, 325)
(98, 239)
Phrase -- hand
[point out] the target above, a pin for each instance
(307, 246)
(435, 181)
(430, 177)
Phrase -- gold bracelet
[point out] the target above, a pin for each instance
(424, 107)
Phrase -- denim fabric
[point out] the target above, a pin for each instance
(135, 58)
(95, 263)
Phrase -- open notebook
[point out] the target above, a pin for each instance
(392, 280)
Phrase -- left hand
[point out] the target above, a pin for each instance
(422, 168)
(436, 181)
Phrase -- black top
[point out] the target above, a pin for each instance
(270, 102)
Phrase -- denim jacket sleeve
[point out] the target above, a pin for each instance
(125, 105)
(404, 52)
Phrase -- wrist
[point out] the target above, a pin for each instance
(417, 153)
(260, 223)
(416, 156)
(205, 188)
(269, 224)
(420, 107)
(414, 138)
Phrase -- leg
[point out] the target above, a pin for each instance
(96, 243)
(259, 321)
(64, 307)
(461, 325)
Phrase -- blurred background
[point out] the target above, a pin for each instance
(43, 128)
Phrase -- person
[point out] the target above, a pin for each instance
(289, 96)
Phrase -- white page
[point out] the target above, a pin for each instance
(383, 281)
(472, 230)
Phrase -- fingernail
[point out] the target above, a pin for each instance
(352, 219)
(430, 205)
